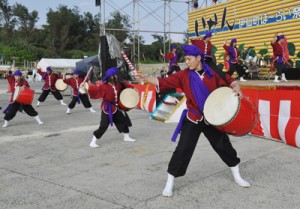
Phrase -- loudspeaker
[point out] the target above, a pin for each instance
(292, 73)
(106, 60)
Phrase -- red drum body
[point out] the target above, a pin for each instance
(93, 91)
(60, 85)
(129, 98)
(24, 96)
(230, 114)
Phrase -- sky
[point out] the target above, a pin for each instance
(147, 22)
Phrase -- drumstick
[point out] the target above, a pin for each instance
(87, 74)
(129, 64)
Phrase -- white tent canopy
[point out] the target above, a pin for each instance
(58, 64)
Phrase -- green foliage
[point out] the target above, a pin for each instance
(291, 48)
(119, 21)
(241, 48)
(214, 49)
(251, 51)
(221, 55)
(298, 54)
(263, 52)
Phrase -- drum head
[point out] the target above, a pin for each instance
(16, 93)
(129, 98)
(61, 85)
(221, 106)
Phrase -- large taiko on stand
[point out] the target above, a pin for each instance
(230, 114)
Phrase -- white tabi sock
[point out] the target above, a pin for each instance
(37, 118)
(283, 77)
(38, 103)
(5, 124)
(237, 177)
(62, 102)
(242, 79)
(168, 190)
(92, 110)
(276, 79)
(127, 138)
(68, 111)
(93, 142)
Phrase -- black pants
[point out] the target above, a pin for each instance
(173, 68)
(236, 67)
(189, 136)
(120, 119)
(84, 99)
(45, 93)
(14, 108)
(279, 68)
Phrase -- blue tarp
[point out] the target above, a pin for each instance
(86, 63)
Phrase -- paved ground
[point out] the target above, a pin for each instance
(51, 166)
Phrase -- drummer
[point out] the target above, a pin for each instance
(75, 82)
(197, 81)
(205, 46)
(49, 86)
(278, 57)
(110, 91)
(173, 60)
(233, 60)
(13, 107)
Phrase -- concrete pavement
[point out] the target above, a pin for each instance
(52, 166)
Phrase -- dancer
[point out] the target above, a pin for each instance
(173, 57)
(75, 82)
(197, 81)
(49, 86)
(205, 46)
(278, 57)
(110, 91)
(13, 107)
(233, 60)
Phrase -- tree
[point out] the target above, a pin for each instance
(119, 21)
(8, 21)
(92, 29)
(25, 20)
(65, 29)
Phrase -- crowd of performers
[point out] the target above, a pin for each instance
(197, 81)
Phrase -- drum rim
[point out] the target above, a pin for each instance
(130, 89)
(16, 94)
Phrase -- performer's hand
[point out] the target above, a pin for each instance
(161, 53)
(139, 77)
(236, 89)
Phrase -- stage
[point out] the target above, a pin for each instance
(278, 107)
(269, 84)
